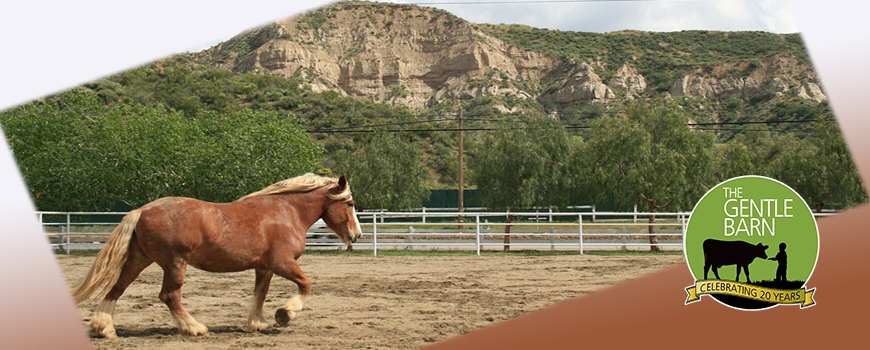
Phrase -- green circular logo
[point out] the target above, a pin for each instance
(752, 243)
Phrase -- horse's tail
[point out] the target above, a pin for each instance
(107, 268)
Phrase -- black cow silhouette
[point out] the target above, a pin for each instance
(719, 253)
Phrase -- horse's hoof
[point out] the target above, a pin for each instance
(194, 330)
(106, 334)
(257, 326)
(103, 332)
(283, 317)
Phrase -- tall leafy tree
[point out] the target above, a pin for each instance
(839, 183)
(246, 150)
(819, 168)
(51, 141)
(387, 171)
(77, 154)
(522, 165)
(734, 159)
(138, 154)
(650, 157)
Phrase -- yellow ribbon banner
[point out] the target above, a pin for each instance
(801, 296)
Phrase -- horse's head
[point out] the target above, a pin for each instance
(340, 214)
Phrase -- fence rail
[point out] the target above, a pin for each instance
(440, 230)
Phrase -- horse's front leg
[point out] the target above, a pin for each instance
(256, 319)
(290, 270)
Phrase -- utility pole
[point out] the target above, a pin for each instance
(461, 166)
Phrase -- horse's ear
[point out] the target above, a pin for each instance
(342, 182)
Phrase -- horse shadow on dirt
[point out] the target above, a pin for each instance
(173, 331)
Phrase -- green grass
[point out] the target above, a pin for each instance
(62, 251)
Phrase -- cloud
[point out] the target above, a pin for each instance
(607, 16)
(777, 16)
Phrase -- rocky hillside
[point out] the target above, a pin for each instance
(421, 57)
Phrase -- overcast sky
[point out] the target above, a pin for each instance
(611, 15)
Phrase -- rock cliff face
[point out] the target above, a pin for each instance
(416, 57)
(405, 55)
(774, 75)
(629, 80)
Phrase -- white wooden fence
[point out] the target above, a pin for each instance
(439, 230)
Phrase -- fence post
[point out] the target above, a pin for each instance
(375, 233)
(424, 215)
(622, 238)
(41, 226)
(581, 233)
(68, 233)
(593, 213)
(552, 238)
(411, 237)
(635, 213)
(477, 228)
(683, 220)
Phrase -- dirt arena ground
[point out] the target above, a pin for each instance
(361, 302)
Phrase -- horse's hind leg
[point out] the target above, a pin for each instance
(101, 322)
(256, 320)
(170, 294)
(290, 270)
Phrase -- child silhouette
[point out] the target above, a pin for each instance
(782, 259)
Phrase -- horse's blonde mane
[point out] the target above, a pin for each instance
(302, 183)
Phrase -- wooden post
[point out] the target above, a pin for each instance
(461, 166)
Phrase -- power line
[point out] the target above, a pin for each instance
(735, 129)
(700, 126)
(386, 124)
(363, 131)
(443, 119)
(765, 122)
(397, 130)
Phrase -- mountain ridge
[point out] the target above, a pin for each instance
(420, 57)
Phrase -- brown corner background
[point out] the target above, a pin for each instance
(647, 312)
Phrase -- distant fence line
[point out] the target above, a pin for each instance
(438, 229)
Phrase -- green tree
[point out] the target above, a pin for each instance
(839, 182)
(138, 154)
(387, 171)
(650, 157)
(734, 159)
(521, 165)
(246, 150)
(51, 140)
(819, 168)
(76, 154)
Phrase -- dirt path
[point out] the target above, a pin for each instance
(362, 302)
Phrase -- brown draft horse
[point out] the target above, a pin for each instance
(264, 231)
